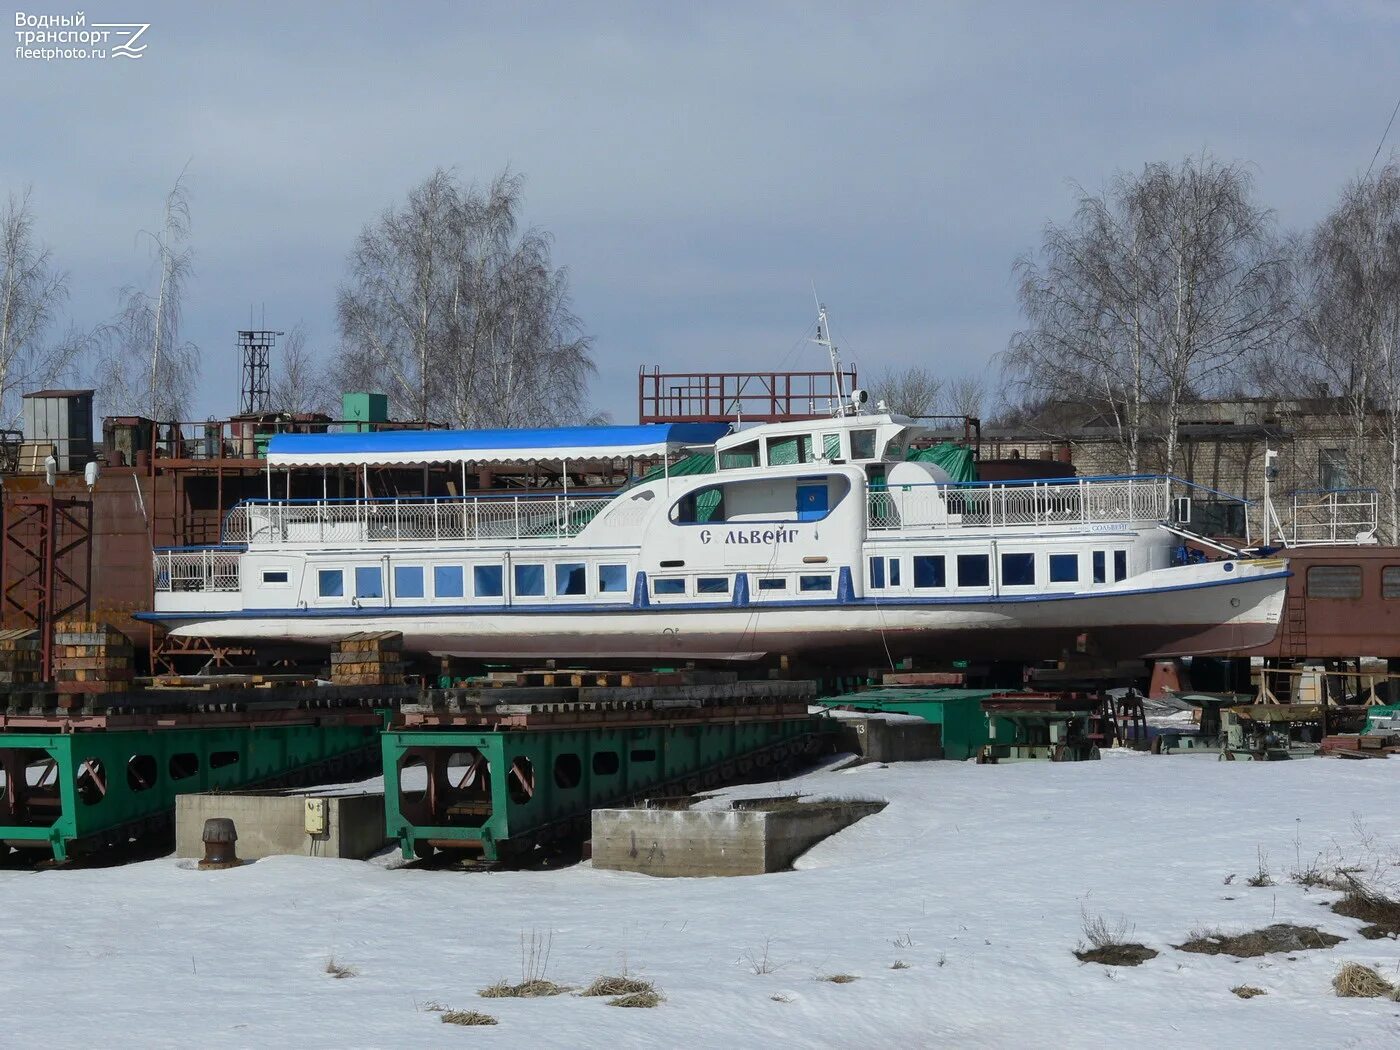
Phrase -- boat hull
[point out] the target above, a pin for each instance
(1193, 620)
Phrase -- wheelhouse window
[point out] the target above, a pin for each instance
(447, 581)
(488, 581)
(275, 576)
(1017, 570)
(570, 578)
(1064, 568)
(792, 448)
(862, 444)
(740, 456)
(529, 580)
(1334, 581)
(831, 446)
(612, 578)
(712, 585)
(974, 570)
(1120, 565)
(408, 581)
(814, 583)
(930, 570)
(667, 586)
(369, 582)
(330, 583)
(700, 507)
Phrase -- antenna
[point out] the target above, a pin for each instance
(824, 339)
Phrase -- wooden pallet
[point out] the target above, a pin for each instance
(372, 642)
(209, 683)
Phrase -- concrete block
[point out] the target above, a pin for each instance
(272, 823)
(891, 738)
(752, 838)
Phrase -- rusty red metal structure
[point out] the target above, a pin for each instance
(754, 397)
(48, 547)
(1343, 602)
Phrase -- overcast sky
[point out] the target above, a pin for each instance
(701, 166)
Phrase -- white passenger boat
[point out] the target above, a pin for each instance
(816, 537)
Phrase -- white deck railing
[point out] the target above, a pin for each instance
(1084, 502)
(205, 569)
(1334, 516)
(397, 521)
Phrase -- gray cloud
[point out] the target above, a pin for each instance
(699, 168)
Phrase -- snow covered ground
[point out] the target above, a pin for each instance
(975, 876)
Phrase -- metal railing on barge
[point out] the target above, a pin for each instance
(1085, 502)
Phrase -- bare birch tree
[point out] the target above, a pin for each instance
(143, 366)
(1349, 274)
(966, 395)
(299, 383)
(459, 315)
(913, 391)
(1151, 296)
(31, 291)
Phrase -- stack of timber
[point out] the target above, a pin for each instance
(91, 657)
(21, 658)
(1361, 745)
(369, 658)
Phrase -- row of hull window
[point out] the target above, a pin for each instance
(716, 586)
(451, 581)
(1018, 569)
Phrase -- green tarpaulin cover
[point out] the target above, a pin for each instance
(955, 459)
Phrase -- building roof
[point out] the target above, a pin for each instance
(60, 393)
(404, 447)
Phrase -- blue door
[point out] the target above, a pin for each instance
(811, 502)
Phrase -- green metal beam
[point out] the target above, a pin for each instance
(96, 787)
(504, 789)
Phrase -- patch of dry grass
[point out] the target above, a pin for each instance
(535, 989)
(621, 985)
(899, 964)
(1108, 943)
(339, 970)
(467, 1018)
(1281, 937)
(839, 978)
(1354, 981)
(1131, 954)
(1247, 991)
(1261, 876)
(1373, 907)
(639, 1000)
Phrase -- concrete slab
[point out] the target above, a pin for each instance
(753, 837)
(889, 737)
(272, 823)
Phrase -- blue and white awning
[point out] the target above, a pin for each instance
(416, 447)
